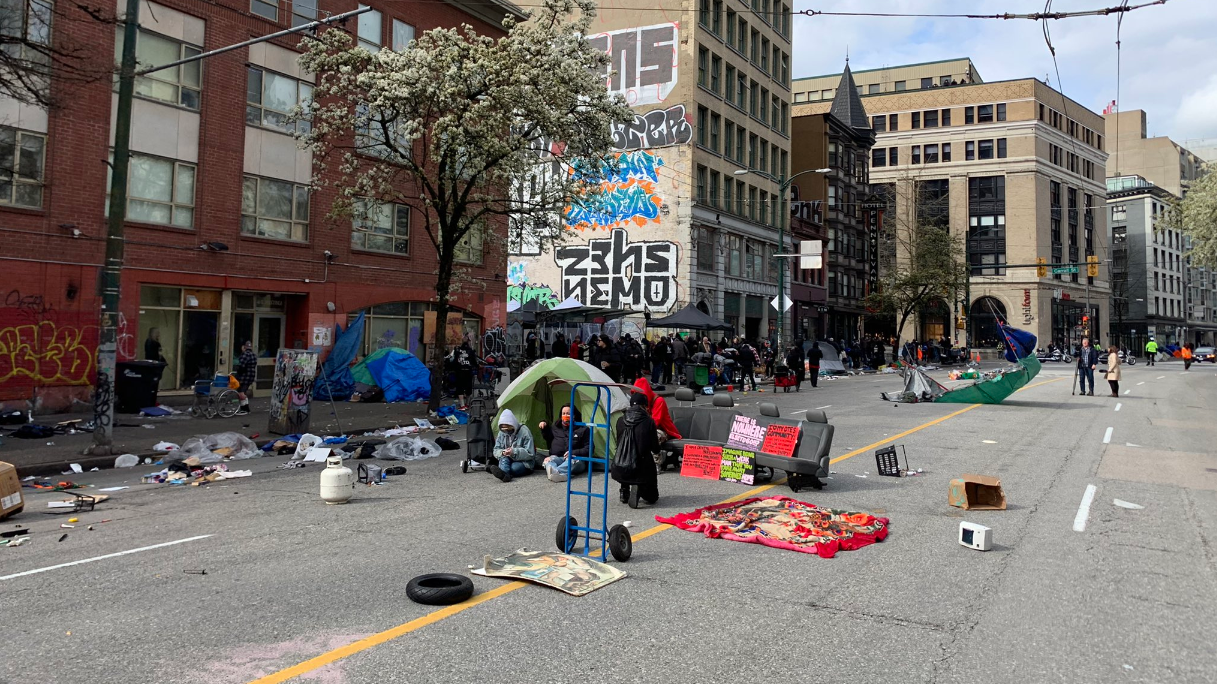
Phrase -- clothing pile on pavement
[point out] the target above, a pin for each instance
(189, 471)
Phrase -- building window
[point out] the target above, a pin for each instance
(734, 248)
(984, 114)
(765, 106)
(265, 8)
(23, 26)
(270, 99)
(1001, 148)
(739, 197)
(714, 178)
(931, 154)
(716, 73)
(1119, 213)
(742, 46)
(987, 224)
(370, 33)
(969, 115)
(274, 209)
(729, 140)
(715, 122)
(703, 16)
(705, 250)
(916, 120)
(160, 191)
(380, 227)
(739, 144)
(177, 85)
(785, 127)
(741, 90)
(703, 66)
(927, 82)
(986, 149)
(879, 123)
(832, 198)
(931, 118)
(728, 199)
(468, 250)
(785, 70)
(753, 94)
(22, 158)
(832, 155)
(1001, 111)
(303, 12)
(716, 17)
(893, 122)
(752, 151)
(703, 115)
(878, 157)
(701, 184)
(755, 47)
(765, 55)
(916, 154)
(893, 157)
(826, 94)
(873, 89)
(403, 33)
(729, 95)
(731, 17)
(764, 160)
(898, 86)
(969, 151)
(946, 152)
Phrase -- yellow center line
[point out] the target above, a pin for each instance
(364, 644)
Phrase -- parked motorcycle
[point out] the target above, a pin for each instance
(1125, 358)
(1055, 355)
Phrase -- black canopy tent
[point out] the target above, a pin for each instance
(689, 318)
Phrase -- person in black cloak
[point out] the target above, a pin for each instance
(634, 465)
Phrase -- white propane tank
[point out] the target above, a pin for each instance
(337, 481)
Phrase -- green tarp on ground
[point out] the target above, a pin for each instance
(996, 389)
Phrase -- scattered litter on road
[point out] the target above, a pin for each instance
(975, 536)
(1130, 444)
(28, 478)
(195, 572)
(75, 468)
(165, 446)
(66, 526)
(73, 520)
(1127, 504)
(988, 441)
(148, 426)
(16, 542)
(977, 492)
(113, 489)
(65, 536)
(126, 461)
(408, 449)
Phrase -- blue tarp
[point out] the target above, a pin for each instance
(1018, 343)
(336, 381)
(401, 375)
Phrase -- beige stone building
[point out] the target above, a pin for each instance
(924, 76)
(694, 215)
(1159, 160)
(1018, 170)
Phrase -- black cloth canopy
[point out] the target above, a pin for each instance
(689, 318)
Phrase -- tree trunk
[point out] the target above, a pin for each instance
(438, 350)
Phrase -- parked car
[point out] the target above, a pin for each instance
(1205, 354)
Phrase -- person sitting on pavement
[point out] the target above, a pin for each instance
(514, 452)
(559, 464)
(640, 443)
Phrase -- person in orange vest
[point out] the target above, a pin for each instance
(1186, 353)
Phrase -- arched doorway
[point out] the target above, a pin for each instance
(984, 315)
(935, 320)
(703, 307)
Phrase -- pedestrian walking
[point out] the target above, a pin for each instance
(794, 361)
(1151, 351)
(747, 365)
(680, 355)
(1187, 355)
(1113, 370)
(814, 355)
(1088, 360)
(247, 375)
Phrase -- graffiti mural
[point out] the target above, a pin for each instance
(45, 353)
(615, 273)
(627, 194)
(291, 393)
(643, 65)
(522, 292)
(656, 128)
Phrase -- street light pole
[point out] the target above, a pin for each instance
(784, 186)
(110, 278)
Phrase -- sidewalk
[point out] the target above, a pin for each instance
(137, 434)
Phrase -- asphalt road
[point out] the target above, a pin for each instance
(1130, 598)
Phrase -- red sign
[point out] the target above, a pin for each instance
(780, 439)
(701, 461)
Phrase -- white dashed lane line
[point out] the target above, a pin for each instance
(1079, 521)
(1107, 435)
(1118, 405)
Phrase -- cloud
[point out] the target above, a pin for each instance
(1165, 62)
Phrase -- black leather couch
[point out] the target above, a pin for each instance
(711, 425)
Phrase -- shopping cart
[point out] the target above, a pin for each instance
(615, 540)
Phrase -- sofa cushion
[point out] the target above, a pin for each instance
(682, 418)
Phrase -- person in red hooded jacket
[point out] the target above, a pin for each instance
(665, 429)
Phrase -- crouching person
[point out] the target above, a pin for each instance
(560, 465)
(633, 465)
(513, 448)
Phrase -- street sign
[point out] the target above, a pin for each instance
(1064, 269)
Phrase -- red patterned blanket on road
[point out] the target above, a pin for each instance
(785, 523)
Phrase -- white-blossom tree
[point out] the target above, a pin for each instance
(1196, 215)
(469, 130)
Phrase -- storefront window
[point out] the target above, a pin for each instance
(186, 323)
(400, 324)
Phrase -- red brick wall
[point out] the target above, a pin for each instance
(75, 191)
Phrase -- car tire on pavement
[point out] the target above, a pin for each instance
(439, 589)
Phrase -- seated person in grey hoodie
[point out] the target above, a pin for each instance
(514, 452)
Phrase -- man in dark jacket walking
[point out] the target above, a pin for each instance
(746, 364)
(609, 358)
(814, 355)
(1088, 360)
(794, 360)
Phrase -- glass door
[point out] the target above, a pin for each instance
(267, 341)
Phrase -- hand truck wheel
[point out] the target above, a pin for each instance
(465, 466)
(620, 543)
(566, 538)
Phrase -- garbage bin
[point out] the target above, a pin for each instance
(135, 384)
(700, 377)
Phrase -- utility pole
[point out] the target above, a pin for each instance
(110, 278)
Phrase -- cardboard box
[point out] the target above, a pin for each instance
(11, 501)
(977, 493)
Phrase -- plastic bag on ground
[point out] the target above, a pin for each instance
(165, 446)
(126, 461)
(307, 442)
(408, 449)
(217, 447)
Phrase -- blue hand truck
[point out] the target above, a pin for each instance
(615, 540)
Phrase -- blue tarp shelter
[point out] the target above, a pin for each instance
(398, 373)
(335, 381)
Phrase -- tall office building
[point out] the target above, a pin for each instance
(692, 216)
(1015, 169)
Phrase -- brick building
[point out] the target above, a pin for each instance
(227, 238)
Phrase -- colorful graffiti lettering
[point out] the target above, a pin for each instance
(515, 273)
(542, 294)
(616, 273)
(626, 196)
(47, 354)
(644, 61)
(656, 128)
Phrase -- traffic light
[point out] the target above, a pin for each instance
(1092, 266)
(1041, 271)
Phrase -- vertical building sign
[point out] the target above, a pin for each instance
(873, 220)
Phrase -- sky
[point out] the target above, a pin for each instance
(1168, 64)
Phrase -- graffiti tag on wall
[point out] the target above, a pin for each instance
(616, 273)
(627, 194)
(643, 65)
(521, 291)
(45, 353)
(656, 128)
